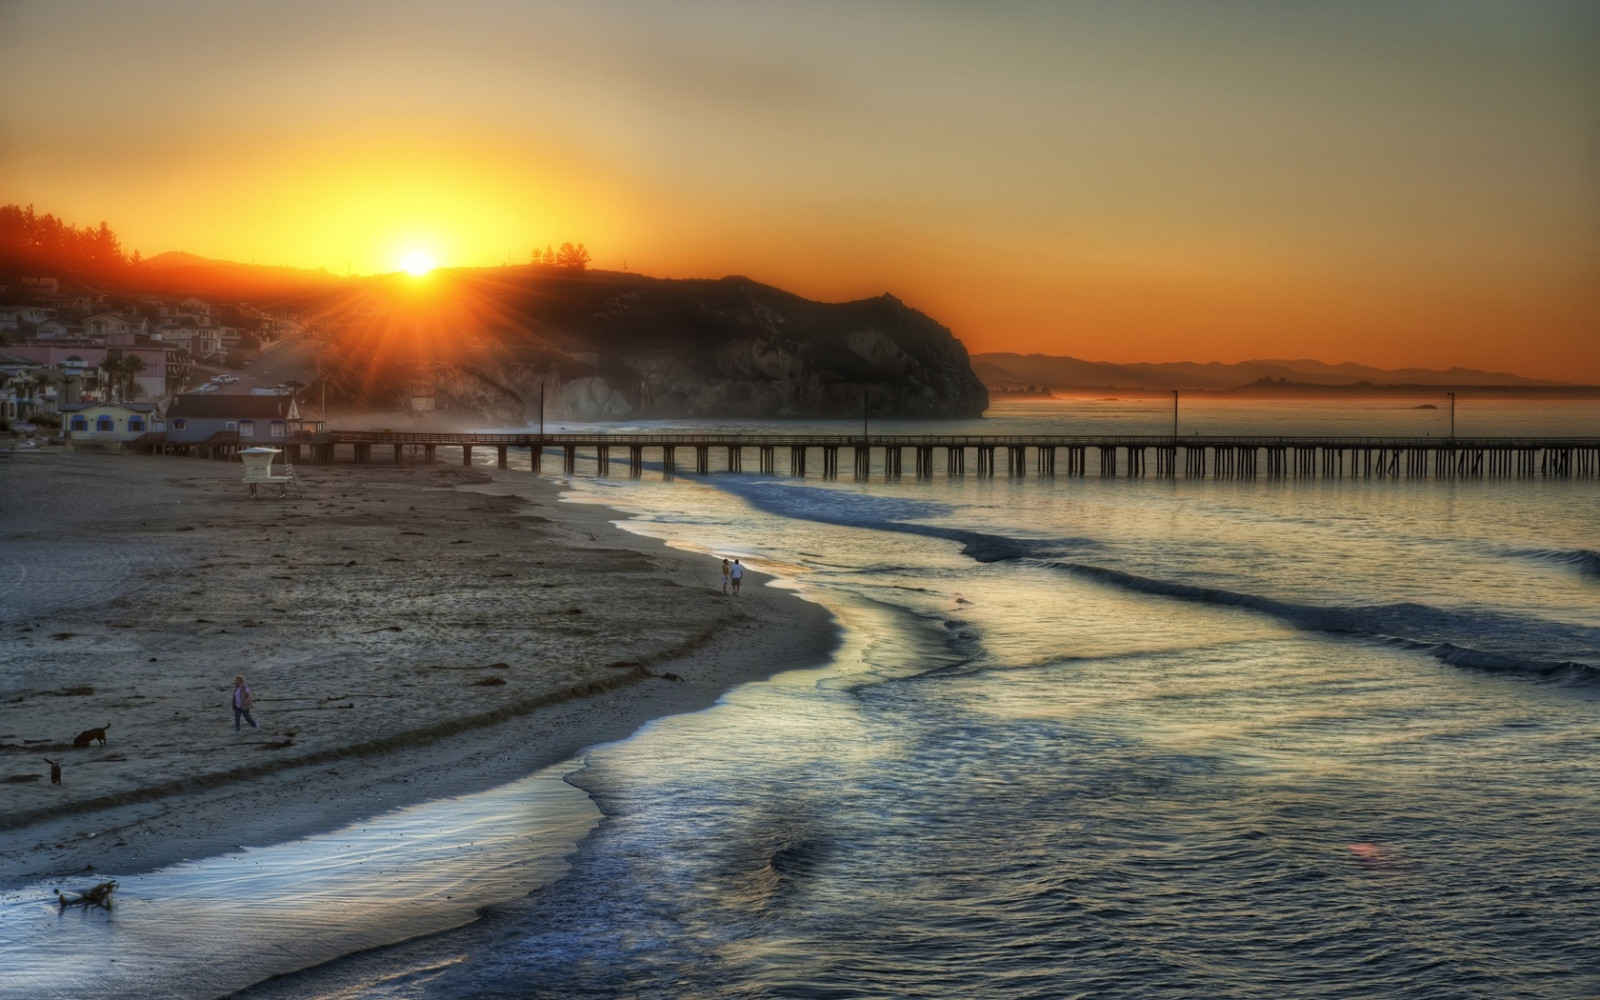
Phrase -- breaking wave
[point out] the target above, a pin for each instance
(1478, 639)
(1585, 561)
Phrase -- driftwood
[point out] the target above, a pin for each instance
(99, 896)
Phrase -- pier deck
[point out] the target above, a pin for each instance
(1105, 456)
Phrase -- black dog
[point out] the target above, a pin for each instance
(88, 736)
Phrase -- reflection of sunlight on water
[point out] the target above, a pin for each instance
(212, 926)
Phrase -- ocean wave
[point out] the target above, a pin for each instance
(1477, 659)
(1482, 639)
(1479, 639)
(833, 506)
(860, 510)
(1585, 561)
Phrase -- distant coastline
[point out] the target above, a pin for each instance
(1267, 378)
(1305, 390)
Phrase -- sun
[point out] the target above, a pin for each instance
(417, 263)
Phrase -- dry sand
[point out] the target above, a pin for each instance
(409, 632)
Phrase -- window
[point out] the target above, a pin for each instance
(80, 423)
(104, 424)
(278, 428)
(247, 428)
(135, 423)
(179, 424)
(231, 425)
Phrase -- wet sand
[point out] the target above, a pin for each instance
(409, 633)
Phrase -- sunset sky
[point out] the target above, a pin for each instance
(1394, 183)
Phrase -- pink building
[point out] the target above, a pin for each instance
(160, 362)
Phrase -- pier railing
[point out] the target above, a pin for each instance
(1192, 456)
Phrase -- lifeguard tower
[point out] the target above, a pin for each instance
(258, 471)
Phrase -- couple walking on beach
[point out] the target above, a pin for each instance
(731, 574)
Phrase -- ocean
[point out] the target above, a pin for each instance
(1092, 737)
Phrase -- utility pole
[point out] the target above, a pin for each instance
(1452, 415)
(863, 415)
(1174, 414)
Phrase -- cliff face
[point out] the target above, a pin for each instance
(611, 346)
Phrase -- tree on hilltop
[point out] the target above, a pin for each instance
(572, 258)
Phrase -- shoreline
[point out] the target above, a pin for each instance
(660, 613)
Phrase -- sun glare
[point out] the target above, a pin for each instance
(417, 264)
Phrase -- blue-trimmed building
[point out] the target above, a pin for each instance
(196, 418)
(108, 422)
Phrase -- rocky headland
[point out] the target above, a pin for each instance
(610, 346)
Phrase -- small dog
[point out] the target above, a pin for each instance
(88, 736)
(55, 771)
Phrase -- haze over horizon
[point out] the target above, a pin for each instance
(1401, 185)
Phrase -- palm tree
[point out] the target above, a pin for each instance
(30, 387)
(133, 365)
(112, 366)
(121, 369)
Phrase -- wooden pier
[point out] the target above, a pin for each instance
(1107, 456)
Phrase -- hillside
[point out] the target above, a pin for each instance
(607, 345)
(1065, 373)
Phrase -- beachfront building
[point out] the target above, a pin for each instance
(21, 392)
(29, 390)
(107, 423)
(202, 418)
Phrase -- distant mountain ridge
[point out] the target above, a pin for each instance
(1011, 370)
(182, 258)
(178, 258)
(178, 272)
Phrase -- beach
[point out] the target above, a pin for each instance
(1211, 737)
(408, 632)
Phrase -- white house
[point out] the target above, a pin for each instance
(200, 342)
(115, 330)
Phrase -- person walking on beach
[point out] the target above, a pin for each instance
(725, 576)
(242, 700)
(736, 573)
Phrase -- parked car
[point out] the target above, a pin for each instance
(226, 379)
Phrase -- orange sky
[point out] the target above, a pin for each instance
(1398, 184)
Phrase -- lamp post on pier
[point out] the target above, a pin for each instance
(1174, 415)
(538, 448)
(1452, 415)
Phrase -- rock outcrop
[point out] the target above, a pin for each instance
(489, 345)
(611, 346)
